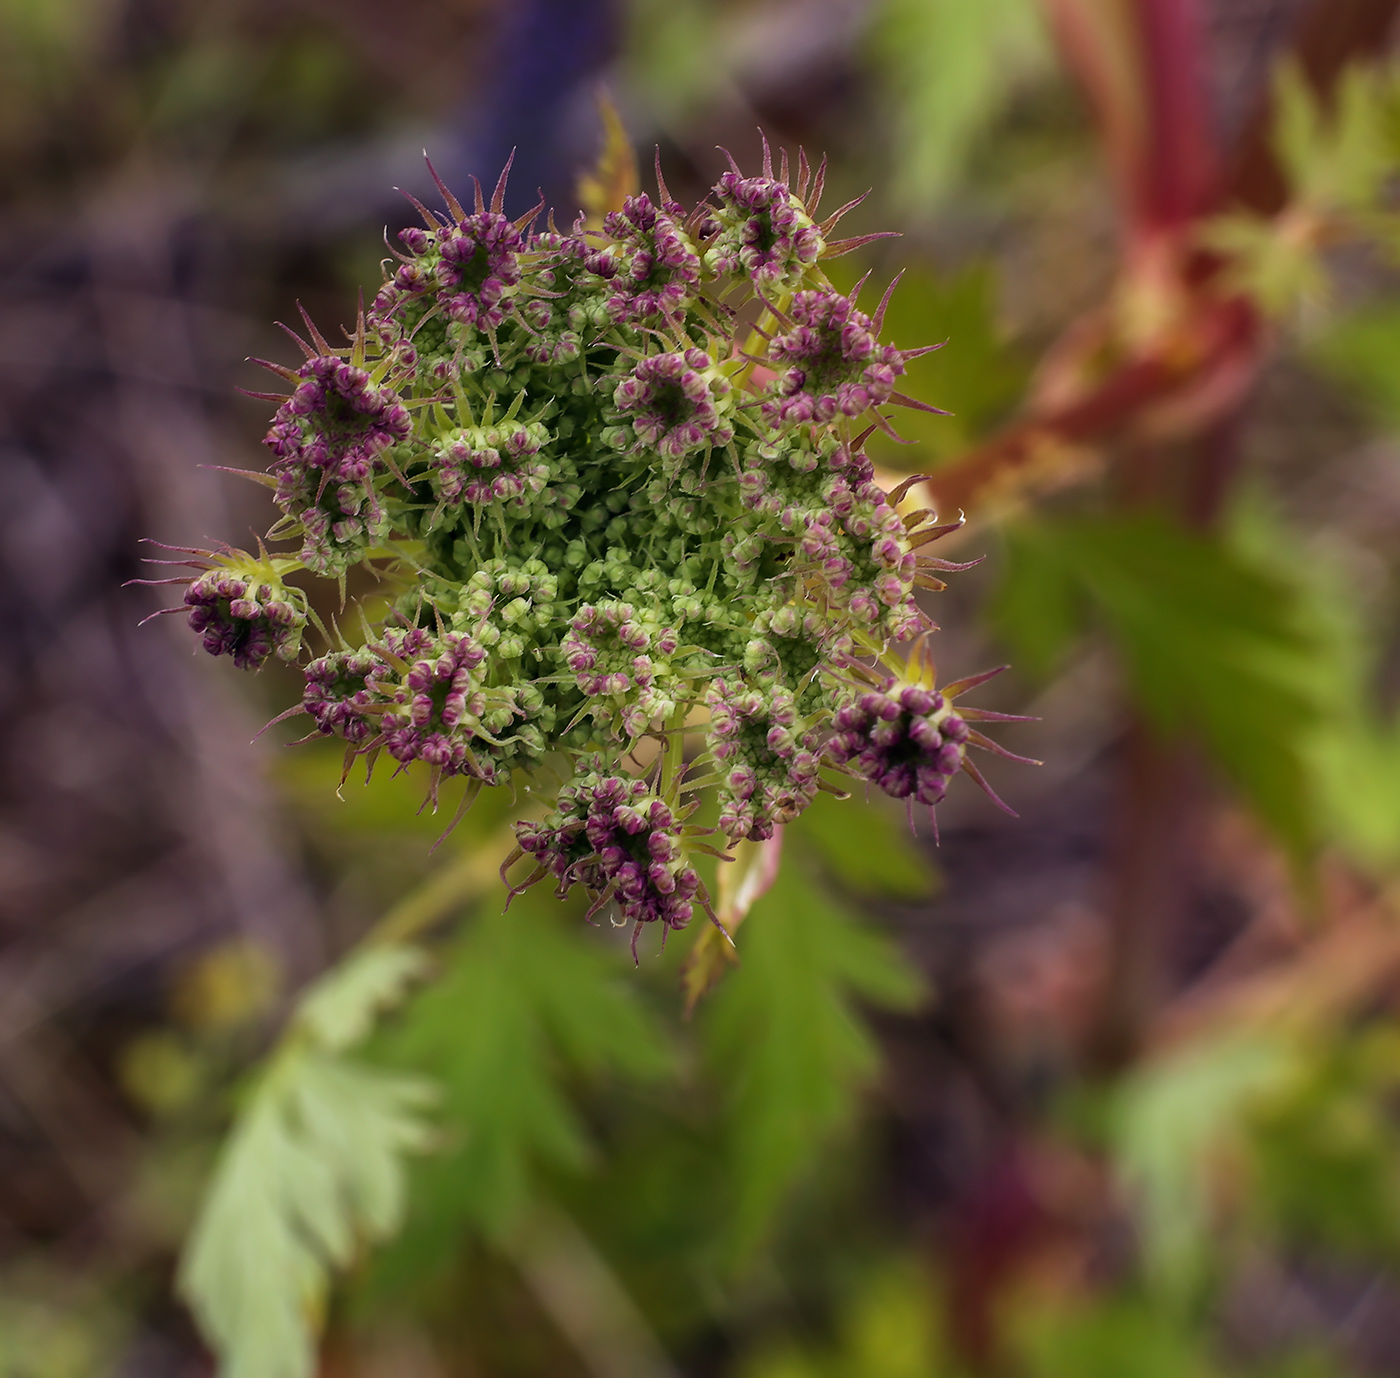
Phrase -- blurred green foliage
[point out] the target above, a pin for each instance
(948, 71)
(1216, 644)
(887, 1328)
(1325, 1149)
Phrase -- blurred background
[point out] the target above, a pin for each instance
(1111, 1087)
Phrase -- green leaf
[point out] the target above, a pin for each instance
(1361, 352)
(949, 69)
(1107, 1338)
(1276, 267)
(1337, 155)
(529, 997)
(312, 1171)
(888, 1329)
(1173, 1117)
(868, 847)
(1038, 608)
(340, 1012)
(1325, 1150)
(676, 57)
(1355, 750)
(1217, 646)
(787, 1043)
(1359, 761)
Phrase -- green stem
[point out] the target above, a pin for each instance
(673, 757)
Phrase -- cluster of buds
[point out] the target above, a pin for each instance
(490, 464)
(832, 361)
(336, 423)
(613, 483)
(651, 267)
(340, 695)
(675, 403)
(770, 758)
(239, 606)
(622, 843)
(764, 231)
(438, 706)
(468, 267)
(904, 736)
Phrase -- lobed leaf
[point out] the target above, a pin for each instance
(527, 1000)
(1335, 155)
(341, 1012)
(312, 1171)
(791, 1048)
(1215, 643)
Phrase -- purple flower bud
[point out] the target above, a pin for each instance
(672, 404)
(232, 620)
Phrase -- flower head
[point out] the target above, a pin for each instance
(905, 736)
(622, 843)
(833, 363)
(439, 706)
(625, 542)
(337, 422)
(241, 617)
(239, 605)
(764, 233)
(340, 694)
(478, 263)
(675, 403)
(652, 270)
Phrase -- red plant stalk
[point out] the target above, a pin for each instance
(1155, 379)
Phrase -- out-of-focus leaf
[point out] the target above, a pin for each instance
(1359, 761)
(789, 1048)
(1108, 1339)
(868, 847)
(675, 56)
(949, 69)
(1337, 155)
(57, 1327)
(1216, 645)
(1173, 1118)
(389, 803)
(1354, 749)
(312, 1170)
(340, 1013)
(1274, 261)
(1361, 351)
(525, 999)
(888, 1330)
(1039, 607)
(43, 39)
(1325, 1149)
